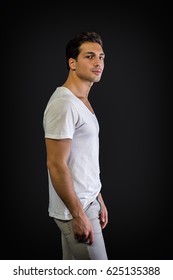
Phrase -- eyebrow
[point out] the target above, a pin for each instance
(102, 54)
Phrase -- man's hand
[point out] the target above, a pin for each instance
(103, 217)
(83, 229)
(104, 213)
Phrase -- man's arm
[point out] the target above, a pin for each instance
(104, 213)
(57, 156)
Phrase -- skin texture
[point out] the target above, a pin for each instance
(84, 72)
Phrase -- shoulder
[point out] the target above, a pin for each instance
(63, 95)
(61, 105)
(60, 98)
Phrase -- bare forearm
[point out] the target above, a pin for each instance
(62, 182)
(100, 198)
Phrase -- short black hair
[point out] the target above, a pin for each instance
(72, 48)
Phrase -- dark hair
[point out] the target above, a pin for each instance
(72, 48)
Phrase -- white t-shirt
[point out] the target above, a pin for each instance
(66, 116)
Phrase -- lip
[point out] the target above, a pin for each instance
(97, 72)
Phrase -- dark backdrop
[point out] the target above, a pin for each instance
(132, 103)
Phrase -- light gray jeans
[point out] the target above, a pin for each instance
(72, 249)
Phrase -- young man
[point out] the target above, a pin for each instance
(72, 147)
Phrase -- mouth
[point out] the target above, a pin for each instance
(97, 72)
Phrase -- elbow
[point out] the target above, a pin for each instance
(55, 165)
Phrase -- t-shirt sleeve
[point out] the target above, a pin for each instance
(60, 118)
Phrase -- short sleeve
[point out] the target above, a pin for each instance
(60, 118)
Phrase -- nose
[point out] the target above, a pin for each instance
(98, 62)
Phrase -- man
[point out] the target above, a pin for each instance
(72, 147)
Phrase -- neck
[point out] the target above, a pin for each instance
(79, 88)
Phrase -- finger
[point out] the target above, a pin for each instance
(77, 236)
(81, 238)
(90, 239)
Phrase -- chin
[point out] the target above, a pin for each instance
(97, 80)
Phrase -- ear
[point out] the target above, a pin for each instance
(72, 63)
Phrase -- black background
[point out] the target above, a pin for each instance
(133, 106)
